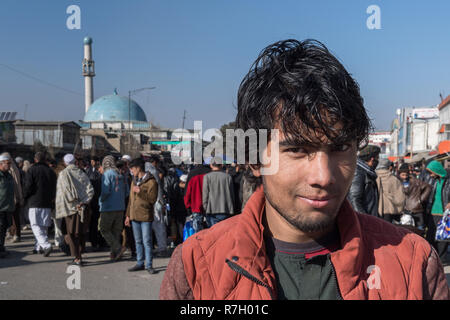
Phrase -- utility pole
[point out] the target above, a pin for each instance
(184, 118)
(182, 131)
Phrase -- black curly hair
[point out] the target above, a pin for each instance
(300, 88)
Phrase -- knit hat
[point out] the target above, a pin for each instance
(437, 168)
(5, 156)
(126, 157)
(19, 159)
(69, 159)
(368, 150)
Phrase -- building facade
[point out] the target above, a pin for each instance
(414, 131)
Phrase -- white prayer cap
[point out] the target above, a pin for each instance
(126, 157)
(5, 156)
(69, 159)
(183, 178)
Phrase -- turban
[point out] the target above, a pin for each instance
(69, 159)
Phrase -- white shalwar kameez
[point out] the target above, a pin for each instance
(40, 220)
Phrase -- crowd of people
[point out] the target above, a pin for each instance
(412, 195)
(114, 204)
(126, 204)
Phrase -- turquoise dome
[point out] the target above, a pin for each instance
(87, 40)
(115, 108)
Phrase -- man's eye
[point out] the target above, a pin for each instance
(296, 150)
(341, 148)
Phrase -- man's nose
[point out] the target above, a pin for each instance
(321, 170)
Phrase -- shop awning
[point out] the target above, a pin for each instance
(444, 146)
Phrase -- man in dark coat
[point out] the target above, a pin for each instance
(363, 194)
(40, 192)
(7, 205)
(95, 177)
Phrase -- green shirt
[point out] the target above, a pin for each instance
(300, 273)
(437, 203)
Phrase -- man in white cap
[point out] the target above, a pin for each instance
(73, 194)
(40, 192)
(6, 199)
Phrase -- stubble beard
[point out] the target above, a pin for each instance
(298, 220)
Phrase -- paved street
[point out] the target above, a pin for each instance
(27, 276)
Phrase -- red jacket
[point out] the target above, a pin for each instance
(204, 266)
(193, 196)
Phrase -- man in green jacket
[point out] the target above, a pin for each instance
(7, 206)
(438, 203)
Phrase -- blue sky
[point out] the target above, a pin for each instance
(196, 53)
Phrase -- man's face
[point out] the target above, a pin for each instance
(404, 176)
(311, 183)
(433, 175)
(373, 163)
(5, 165)
(135, 171)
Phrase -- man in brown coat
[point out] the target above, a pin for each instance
(417, 193)
(392, 198)
(143, 195)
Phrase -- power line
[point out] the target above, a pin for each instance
(40, 80)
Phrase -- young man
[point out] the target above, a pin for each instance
(217, 194)
(298, 237)
(363, 194)
(143, 195)
(40, 193)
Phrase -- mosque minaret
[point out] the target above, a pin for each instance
(88, 73)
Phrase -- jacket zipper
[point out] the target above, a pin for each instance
(339, 296)
(246, 274)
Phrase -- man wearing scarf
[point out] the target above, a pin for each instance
(363, 194)
(439, 201)
(112, 206)
(74, 192)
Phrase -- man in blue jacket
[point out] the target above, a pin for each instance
(112, 206)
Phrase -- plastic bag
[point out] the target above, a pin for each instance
(407, 220)
(443, 227)
(188, 230)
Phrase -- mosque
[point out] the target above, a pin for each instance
(120, 121)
